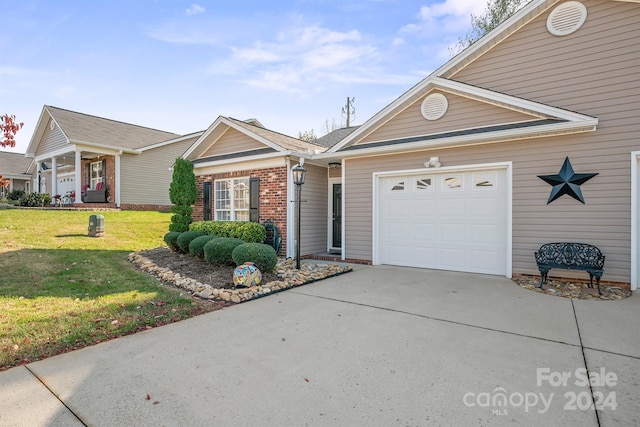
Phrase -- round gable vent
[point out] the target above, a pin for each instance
(434, 106)
(567, 18)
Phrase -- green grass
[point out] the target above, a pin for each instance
(61, 290)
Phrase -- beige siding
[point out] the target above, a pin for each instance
(145, 178)
(52, 140)
(314, 211)
(462, 113)
(232, 141)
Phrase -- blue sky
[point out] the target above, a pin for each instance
(177, 65)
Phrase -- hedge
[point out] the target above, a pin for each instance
(196, 247)
(263, 256)
(219, 251)
(185, 239)
(171, 239)
(250, 232)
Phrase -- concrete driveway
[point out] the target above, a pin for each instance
(381, 346)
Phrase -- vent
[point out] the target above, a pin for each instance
(434, 106)
(567, 18)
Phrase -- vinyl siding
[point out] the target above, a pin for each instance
(145, 178)
(232, 141)
(462, 113)
(314, 211)
(52, 140)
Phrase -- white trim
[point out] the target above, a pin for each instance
(290, 210)
(332, 182)
(243, 163)
(508, 166)
(171, 141)
(118, 172)
(109, 151)
(635, 212)
(344, 210)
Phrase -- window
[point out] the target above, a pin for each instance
(231, 199)
(423, 184)
(398, 187)
(453, 183)
(95, 169)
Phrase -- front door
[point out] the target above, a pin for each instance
(336, 198)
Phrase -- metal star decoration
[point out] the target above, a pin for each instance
(566, 182)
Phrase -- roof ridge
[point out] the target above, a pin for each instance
(276, 132)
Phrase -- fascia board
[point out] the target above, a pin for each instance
(80, 145)
(202, 137)
(172, 141)
(243, 159)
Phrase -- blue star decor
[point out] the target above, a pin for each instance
(566, 182)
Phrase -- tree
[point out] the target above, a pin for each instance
(9, 128)
(496, 12)
(307, 135)
(182, 193)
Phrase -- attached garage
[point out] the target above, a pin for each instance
(443, 218)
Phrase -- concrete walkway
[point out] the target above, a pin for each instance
(381, 346)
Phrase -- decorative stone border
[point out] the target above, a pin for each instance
(285, 269)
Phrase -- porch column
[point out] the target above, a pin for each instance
(10, 185)
(117, 180)
(78, 177)
(54, 178)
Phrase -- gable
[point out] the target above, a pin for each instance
(462, 113)
(576, 71)
(231, 141)
(52, 138)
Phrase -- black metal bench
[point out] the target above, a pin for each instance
(570, 256)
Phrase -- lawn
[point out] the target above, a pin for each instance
(61, 290)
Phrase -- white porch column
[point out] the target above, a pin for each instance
(54, 177)
(10, 185)
(117, 195)
(78, 177)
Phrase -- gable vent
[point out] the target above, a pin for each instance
(566, 18)
(434, 106)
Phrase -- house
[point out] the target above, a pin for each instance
(15, 168)
(449, 175)
(105, 161)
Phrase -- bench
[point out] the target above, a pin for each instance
(570, 256)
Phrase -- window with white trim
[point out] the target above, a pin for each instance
(231, 199)
(95, 170)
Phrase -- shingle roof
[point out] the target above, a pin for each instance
(335, 136)
(282, 140)
(13, 163)
(111, 133)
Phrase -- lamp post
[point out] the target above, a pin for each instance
(298, 179)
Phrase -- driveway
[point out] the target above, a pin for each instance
(381, 346)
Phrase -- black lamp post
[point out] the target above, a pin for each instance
(298, 179)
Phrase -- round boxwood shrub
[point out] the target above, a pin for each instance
(171, 239)
(219, 251)
(196, 247)
(185, 239)
(263, 256)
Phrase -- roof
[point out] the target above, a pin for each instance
(284, 141)
(13, 163)
(80, 127)
(335, 136)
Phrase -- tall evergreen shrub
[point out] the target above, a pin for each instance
(183, 194)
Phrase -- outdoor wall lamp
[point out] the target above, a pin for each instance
(299, 174)
(334, 165)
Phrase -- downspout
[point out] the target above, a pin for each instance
(118, 178)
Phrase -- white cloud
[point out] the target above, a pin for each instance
(195, 9)
(450, 17)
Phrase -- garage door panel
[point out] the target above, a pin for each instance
(458, 223)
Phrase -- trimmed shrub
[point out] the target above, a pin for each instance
(182, 193)
(16, 195)
(35, 199)
(171, 239)
(263, 256)
(185, 239)
(196, 247)
(219, 251)
(250, 232)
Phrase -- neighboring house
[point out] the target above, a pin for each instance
(108, 162)
(243, 172)
(556, 80)
(15, 168)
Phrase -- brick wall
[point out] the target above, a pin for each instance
(110, 173)
(136, 207)
(273, 196)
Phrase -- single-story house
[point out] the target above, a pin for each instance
(107, 162)
(15, 168)
(450, 174)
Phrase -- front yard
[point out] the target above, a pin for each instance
(61, 290)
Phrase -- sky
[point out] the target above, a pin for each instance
(177, 65)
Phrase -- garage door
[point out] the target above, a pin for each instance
(444, 220)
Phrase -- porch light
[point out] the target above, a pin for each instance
(298, 179)
(334, 165)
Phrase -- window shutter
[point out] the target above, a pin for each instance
(104, 172)
(206, 201)
(87, 179)
(254, 199)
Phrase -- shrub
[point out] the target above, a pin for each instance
(171, 239)
(196, 247)
(250, 232)
(219, 251)
(16, 195)
(184, 239)
(182, 193)
(35, 199)
(263, 256)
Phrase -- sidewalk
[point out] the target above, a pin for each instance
(380, 346)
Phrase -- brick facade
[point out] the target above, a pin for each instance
(110, 174)
(273, 196)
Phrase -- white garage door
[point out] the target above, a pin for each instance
(444, 220)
